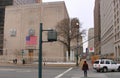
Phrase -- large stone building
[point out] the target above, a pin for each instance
(97, 29)
(4, 3)
(107, 27)
(116, 29)
(22, 23)
(110, 26)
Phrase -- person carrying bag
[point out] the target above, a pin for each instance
(85, 68)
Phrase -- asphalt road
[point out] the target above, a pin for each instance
(18, 72)
(76, 72)
(52, 72)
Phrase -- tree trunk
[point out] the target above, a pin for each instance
(69, 50)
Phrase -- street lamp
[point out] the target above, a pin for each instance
(77, 26)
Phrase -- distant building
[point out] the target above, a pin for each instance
(91, 40)
(77, 45)
(97, 28)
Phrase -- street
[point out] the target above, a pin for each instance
(75, 72)
(18, 72)
(52, 72)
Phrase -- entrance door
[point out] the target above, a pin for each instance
(30, 54)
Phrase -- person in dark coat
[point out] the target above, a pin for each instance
(23, 61)
(15, 61)
(85, 68)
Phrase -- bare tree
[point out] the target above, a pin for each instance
(68, 30)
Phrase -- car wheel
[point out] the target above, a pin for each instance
(105, 69)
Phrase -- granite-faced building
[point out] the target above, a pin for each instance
(22, 23)
(97, 28)
(107, 28)
(3, 3)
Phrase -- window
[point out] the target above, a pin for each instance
(31, 32)
(12, 32)
(117, 20)
(113, 62)
(102, 62)
(107, 62)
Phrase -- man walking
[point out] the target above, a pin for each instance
(85, 68)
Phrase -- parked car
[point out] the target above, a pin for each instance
(105, 65)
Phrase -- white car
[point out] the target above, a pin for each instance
(105, 65)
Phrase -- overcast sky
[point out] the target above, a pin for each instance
(82, 9)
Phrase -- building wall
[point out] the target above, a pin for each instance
(21, 2)
(20, 20)
(97, 31)
(23, 18)
(107, 34)
(117, 27)
(3, 3)
(91, 39)
(52, 13)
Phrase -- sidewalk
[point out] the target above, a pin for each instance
(59, 64)
(11, 64)
(46, 64)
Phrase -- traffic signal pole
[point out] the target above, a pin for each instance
(40, 52)
(52, 36)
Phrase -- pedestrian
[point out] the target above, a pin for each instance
(85, 68)
(23, 61)
(15, 61)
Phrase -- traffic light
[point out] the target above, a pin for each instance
(52, 35)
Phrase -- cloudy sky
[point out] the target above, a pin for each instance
(82, 9)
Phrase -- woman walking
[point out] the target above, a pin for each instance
(85, 68)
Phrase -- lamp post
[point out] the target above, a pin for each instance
(77, 26)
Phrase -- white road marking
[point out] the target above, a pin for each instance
(63, 73)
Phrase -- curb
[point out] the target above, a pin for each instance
(58, 64)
